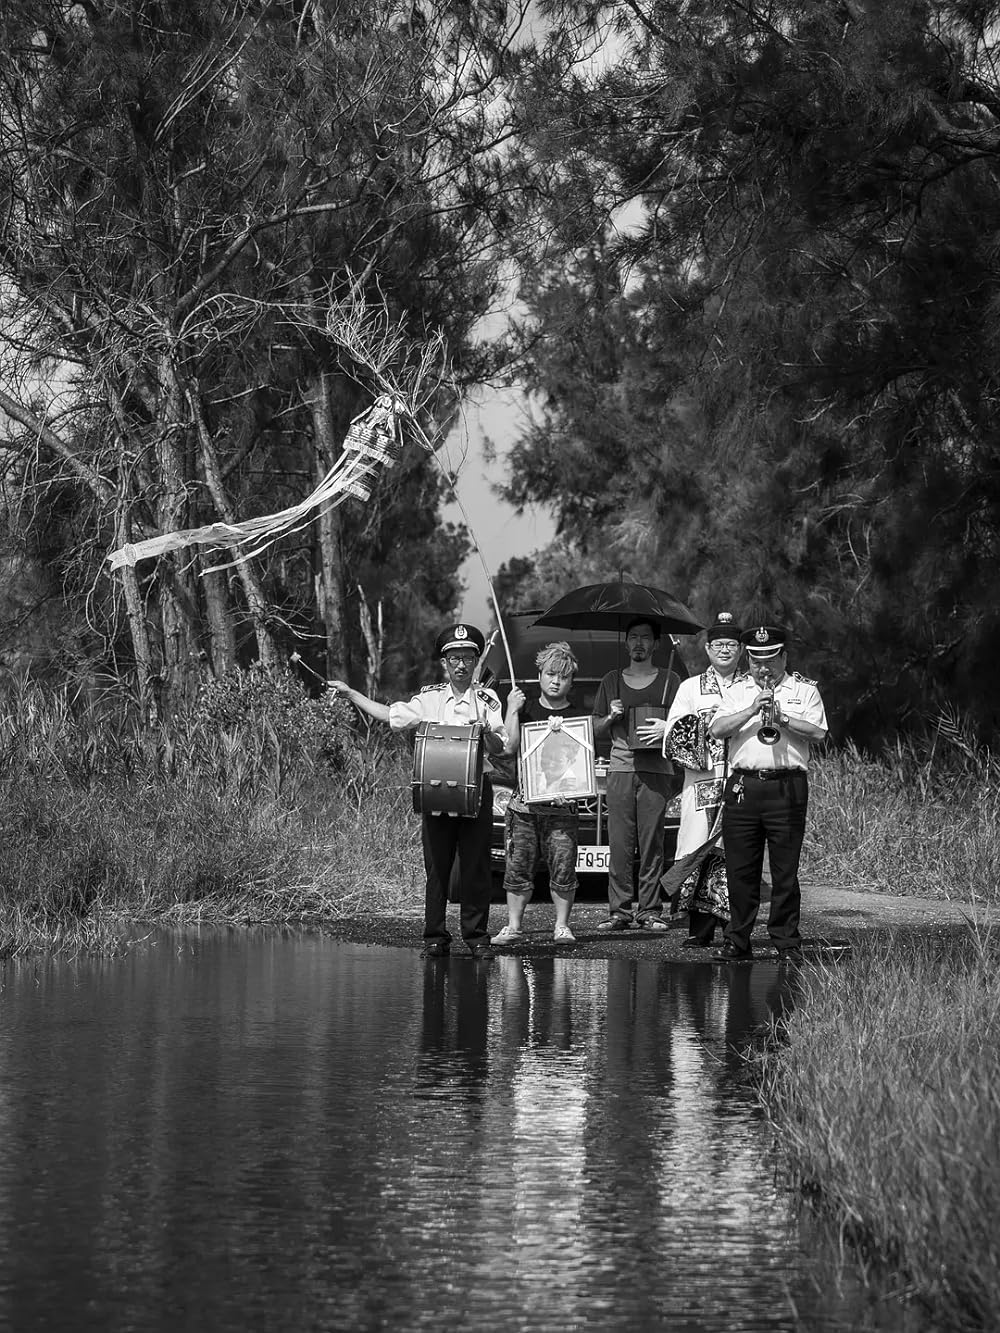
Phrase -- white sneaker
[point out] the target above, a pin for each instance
(509, 935)
(563, 935)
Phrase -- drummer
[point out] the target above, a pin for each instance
(451, 841)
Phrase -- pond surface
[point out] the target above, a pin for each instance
(230, 1131)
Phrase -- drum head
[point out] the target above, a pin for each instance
(448, 769)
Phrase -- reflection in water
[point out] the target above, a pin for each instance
(231, 1132)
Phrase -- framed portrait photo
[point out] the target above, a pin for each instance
(557, 761)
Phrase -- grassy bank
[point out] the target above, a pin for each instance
(249, 809)
(261, 804)
(886, 1098)
(922, 818)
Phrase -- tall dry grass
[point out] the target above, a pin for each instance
(885, 1092)
(922, 817)
(263, 805)
(105, 823)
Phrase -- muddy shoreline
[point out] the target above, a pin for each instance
(832, 919)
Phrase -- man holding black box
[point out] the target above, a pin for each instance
(640, 780)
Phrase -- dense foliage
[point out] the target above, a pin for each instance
(757, 252)
(195, 196)
(769, 380)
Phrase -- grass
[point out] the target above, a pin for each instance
(261, 805)
(885, 1091)
(105, 825)
(921, 818)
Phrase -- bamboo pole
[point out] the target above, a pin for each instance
(475, 541)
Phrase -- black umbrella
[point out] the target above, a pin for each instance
(613, 605)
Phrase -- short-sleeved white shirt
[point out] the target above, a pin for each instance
(796, 696)
(440, 703)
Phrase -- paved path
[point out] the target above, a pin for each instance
(842, 916)
(849, 908)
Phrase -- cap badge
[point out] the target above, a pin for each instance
(761, 635)
(724, 617)
(461, 632)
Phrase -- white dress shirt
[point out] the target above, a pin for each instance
(440, 703)
(795, 696)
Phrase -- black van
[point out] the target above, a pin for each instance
(598, 652)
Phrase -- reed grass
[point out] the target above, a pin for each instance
(921, 817)
(885, 1091)
(106, 824)
(263, 805)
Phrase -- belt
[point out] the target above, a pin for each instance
(767, 774)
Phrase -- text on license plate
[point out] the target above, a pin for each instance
(590, 859)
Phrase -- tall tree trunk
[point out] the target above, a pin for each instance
(182, 671)
(139, 630)
(221, 630)
(267, 648)
(181, 647)
(331, 596)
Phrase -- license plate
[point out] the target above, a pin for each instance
(590, 860)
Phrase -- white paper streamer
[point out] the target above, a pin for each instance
(373, 442)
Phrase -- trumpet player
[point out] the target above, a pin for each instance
(770, 719)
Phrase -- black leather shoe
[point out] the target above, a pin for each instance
(730, 954)
(436, 949)
(693, 942)
(482, 952)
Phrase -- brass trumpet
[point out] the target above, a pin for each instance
(768, 733)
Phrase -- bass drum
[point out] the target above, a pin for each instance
(448, 769)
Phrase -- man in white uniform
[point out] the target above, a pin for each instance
(449, 839)
(767, 791)
(699, 872)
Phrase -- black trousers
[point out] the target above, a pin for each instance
(757, 813)
(459, 846)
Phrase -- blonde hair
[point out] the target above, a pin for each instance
(557, 657)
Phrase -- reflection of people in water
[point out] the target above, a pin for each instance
(562, 764)
(454, 1031)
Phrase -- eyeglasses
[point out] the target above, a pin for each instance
(731, 644)
(460, 659)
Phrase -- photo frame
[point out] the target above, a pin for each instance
(557, 761)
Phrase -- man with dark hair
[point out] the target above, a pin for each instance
(770, 719)
(640, 780)
(448, 839)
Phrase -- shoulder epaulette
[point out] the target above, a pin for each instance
(488, 699)
(803, 680)
(433, 689)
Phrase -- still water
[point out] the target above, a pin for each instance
(230, 1131)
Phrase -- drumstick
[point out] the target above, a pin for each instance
(294, 657)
